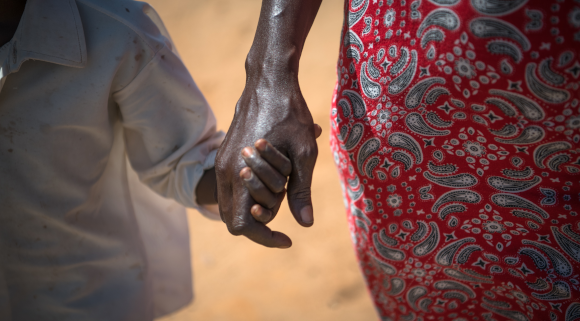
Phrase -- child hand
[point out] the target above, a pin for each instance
(266, 177)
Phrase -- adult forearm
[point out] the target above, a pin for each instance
(280, 36)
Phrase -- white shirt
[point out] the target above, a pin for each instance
(85, 86)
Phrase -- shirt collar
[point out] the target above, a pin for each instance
(51, 31)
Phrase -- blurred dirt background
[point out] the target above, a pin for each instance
(235, 279)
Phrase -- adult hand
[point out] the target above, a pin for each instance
(278, 114)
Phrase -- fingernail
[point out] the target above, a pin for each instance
(246, 173)
(307, 215)
(284, 246)
(261, 144)
(247, 151)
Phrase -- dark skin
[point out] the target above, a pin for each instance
(271, 107)
(9, 18)
(264, 177)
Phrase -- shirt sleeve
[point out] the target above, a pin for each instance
(170, 130)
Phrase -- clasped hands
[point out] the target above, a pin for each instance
(273, 116)
(265, 178)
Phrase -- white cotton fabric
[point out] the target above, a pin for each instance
(103, 138)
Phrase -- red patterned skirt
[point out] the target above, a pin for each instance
(456, 129)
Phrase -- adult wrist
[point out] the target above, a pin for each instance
(273, 62)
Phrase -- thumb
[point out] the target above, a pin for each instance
(299, 193)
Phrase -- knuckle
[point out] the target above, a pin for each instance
(308, 152)
(237, 229)
(300, 194)
(314, 151)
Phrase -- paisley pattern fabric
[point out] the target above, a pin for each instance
(456, 133)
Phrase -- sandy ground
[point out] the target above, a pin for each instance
(235, 279)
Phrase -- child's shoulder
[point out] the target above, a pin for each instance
(133, 16)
